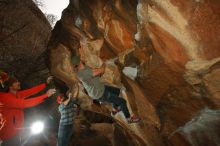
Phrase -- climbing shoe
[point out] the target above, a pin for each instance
(133, 119)
(115, 111)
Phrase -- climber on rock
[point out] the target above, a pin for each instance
(97, 90)
(12, 104)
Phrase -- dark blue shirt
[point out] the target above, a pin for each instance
(67, 113)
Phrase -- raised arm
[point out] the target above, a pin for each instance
(69, 98)
(10, 102)
(28, 92)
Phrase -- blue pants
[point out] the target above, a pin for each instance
(64, 135)
(111, 94)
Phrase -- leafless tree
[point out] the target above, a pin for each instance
(51, 18)
(39, 3)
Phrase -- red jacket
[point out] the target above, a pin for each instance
(12, 109)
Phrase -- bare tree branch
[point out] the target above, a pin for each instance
(39, 3)
(51, 18)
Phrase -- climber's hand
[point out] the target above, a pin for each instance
(50, 92)
(49, 79)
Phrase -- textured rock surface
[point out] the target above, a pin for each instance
(202, 129)
(24, 34)
(173, 42)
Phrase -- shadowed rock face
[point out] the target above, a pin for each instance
(24, 34)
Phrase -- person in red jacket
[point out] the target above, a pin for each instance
(12, 104)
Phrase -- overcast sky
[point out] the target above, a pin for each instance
(54, 7)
